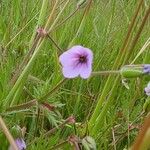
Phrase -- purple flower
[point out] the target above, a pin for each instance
(146, 69)
(20, 143)
(147, 89)
(77, 61)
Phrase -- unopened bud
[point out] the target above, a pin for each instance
(131, 71)
(147, 89)
(16, 132)
(71, 120)
(41, 31)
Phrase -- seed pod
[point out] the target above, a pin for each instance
(131, 71)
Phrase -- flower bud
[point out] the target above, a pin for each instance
(147, 89)
(146, 69)
(16, 132)
(131, 71)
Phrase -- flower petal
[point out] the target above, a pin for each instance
(70, 72)
(89, 55)
(147, 89)
(85, 71)
(72, 67)
(67, 58)
(146, 68)
(20, 144)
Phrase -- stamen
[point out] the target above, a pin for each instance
(82, 59)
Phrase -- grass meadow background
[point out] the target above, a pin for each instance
(103, 30)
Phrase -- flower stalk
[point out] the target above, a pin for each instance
(8, 134)
(22, 78)
(82, 23)
(111, 83)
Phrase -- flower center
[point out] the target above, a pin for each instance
(82, 59)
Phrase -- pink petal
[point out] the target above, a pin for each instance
(67, 58)
(20, 144)
(77, 49)
(70, 62)
(90, 56)
(70, 72)
(147, 89)
(85, 71)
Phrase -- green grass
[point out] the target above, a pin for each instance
(103, 30)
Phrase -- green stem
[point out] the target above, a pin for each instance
(25, 60)
(135, 40)
(101, 117)
(51, 15)
(22, 78)
(58, 146)
(123, 59)
(65, 20)
(57, 18)
(23, 106)
(41, 20)
(53, 90)
(42, 15)
(8, 134)
(77, 104)
(105, 72)
(56, 45)
(109, 82)
(82, 23)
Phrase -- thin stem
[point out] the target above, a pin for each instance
(71, 15)
(23, 106)
(100, 118)
(135, 40)
(53, 90)
(25, 60)
(59, 145)
(147, 43)
(21, 30)
(40, 43)
(55, 21)
(105, 72)
(22, 78)
(8, 134)
(54, 43)
(114, 140)
(51, 16)
(115, 66)
(43, 13)
(142, 140)
(53, 130)
(85, 13)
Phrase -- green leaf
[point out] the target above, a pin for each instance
(89, 143)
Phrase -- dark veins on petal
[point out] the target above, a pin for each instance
(82, 59)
